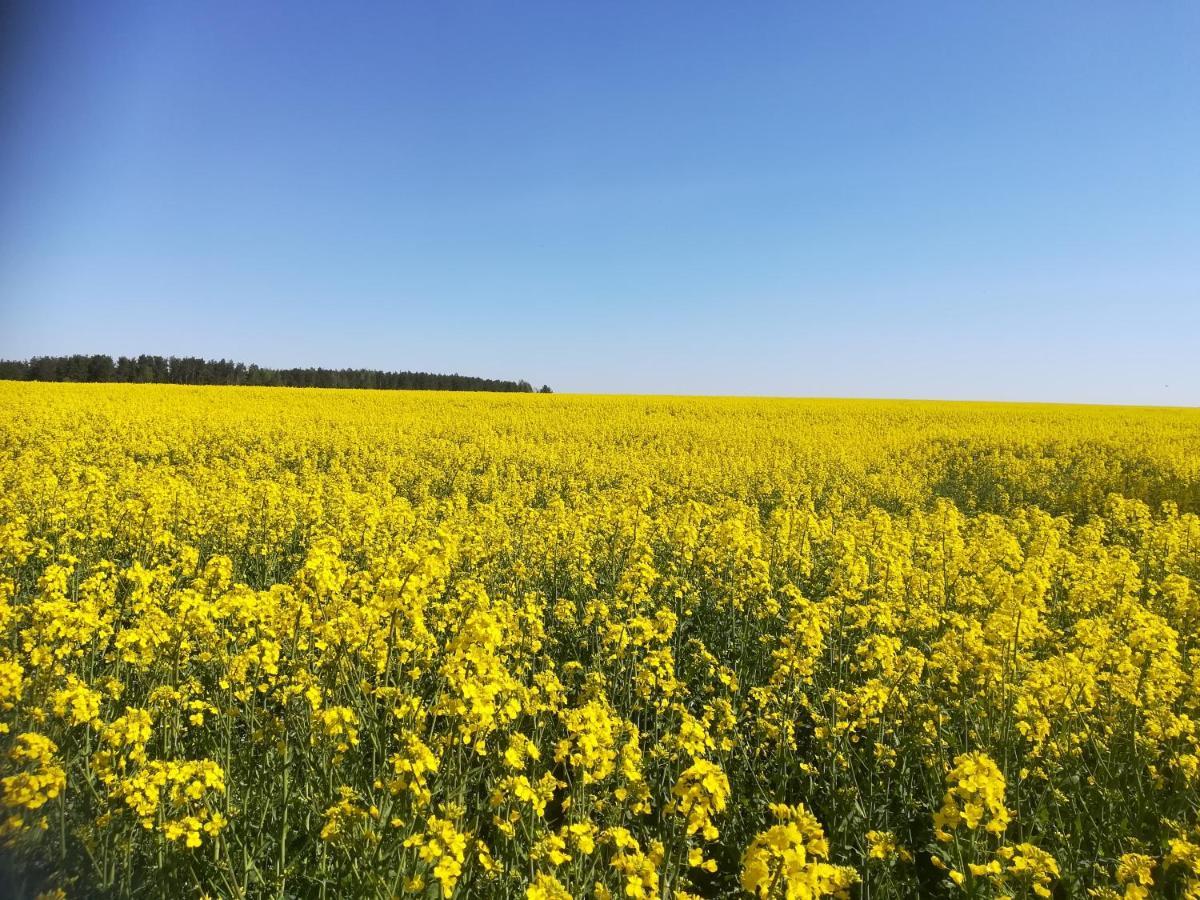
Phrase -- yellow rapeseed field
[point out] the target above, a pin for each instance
(342, 644)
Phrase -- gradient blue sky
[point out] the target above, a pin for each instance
(959, 200)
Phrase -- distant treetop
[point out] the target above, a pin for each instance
(194, 370)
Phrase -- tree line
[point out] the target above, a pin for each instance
(194, 370)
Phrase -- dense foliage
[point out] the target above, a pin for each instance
(285, 643)
(98, 368)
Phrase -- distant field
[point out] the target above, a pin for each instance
(301, 643)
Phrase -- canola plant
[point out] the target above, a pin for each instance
(300, 643)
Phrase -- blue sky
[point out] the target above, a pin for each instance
(959, 200)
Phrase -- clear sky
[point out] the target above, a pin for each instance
(953, 199)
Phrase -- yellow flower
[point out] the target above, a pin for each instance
(975, 797)
(788, 859)
(1135, 871)
(701, 791)
(547, 887)
(882, 845)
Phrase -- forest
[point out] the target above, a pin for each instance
(194, 370)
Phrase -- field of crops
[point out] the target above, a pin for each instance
(341, 644)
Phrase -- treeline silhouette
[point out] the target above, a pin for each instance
(193, 370)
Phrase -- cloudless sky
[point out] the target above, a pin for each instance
(959, 200)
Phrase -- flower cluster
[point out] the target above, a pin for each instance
(260, 642)
(788, 860)
(974, 798)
